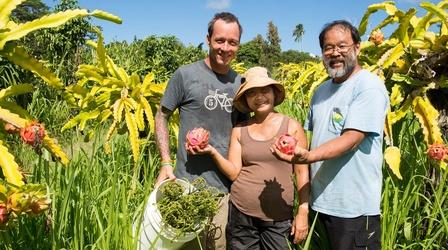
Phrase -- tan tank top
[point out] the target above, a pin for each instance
(264, 188)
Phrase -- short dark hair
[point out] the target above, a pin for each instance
(226, 17)
(345, 25)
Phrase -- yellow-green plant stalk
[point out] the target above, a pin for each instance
(403, 60)
(106, 91)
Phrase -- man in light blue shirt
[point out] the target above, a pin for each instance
(347, 118)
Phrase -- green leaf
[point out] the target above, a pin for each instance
(15, 90)
(437, 11)
(407, 230)
(106, 16)
(9, 166)
(427, 116)
(81, 119)
(48, 21)
(419, 44)
(19, 56)
(400, 113)
(139, 118)
(422, 26)
(90, 72)
(385, 22)
(105, 114)
(388, 6)
(51, 145)
(148, 112)
(9, 117)
(393, 158)
(16, 109)
(402, 31)
(118, 108)
(133, 134)
(391, 56)
(6, 7)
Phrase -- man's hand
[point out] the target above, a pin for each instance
(166, 172)
(300, 156)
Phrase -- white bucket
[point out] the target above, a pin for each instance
(155, 235)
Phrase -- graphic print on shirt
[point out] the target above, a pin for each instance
(214, 98)
(337, 119)
(337, 116)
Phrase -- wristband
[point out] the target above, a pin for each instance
(166, 163)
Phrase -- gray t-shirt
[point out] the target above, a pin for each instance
(204, 99)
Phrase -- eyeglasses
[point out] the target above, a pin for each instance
(330, 49)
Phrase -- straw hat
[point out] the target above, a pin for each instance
(253, 78)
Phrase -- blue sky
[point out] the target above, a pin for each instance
(187, 20)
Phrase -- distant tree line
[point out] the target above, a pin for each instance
(267, 52)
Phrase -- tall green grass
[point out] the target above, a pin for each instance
(415, 209)
(95, 201)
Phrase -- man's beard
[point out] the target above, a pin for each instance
(349, 63)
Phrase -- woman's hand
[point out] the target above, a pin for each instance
(300, 225)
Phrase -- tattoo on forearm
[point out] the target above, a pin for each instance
(162, 134)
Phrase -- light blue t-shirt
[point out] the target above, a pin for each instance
(350, 185)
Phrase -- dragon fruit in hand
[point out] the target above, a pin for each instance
(197, 137)
(286, 144)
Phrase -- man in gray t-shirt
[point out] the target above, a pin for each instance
(204, 99)
(203, 92)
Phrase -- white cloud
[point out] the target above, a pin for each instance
(218, 4)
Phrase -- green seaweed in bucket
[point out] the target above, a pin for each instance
(189, 211)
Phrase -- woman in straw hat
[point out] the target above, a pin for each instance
(262, 192)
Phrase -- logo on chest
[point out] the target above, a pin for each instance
(216, 99)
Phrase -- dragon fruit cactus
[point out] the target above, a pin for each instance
(19, 202)
(33, 133)
(198, 137)
(437, 151)
(286, 144)
(39, 204)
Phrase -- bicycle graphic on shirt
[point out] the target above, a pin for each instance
(213, 99)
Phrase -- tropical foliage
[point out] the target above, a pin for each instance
(410, 60)
(16, 197)
(105, 91)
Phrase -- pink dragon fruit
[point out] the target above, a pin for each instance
(3, 214)
(286, 144)
(198, 137)
(437, 151)
(376, 37)
(33, 133)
